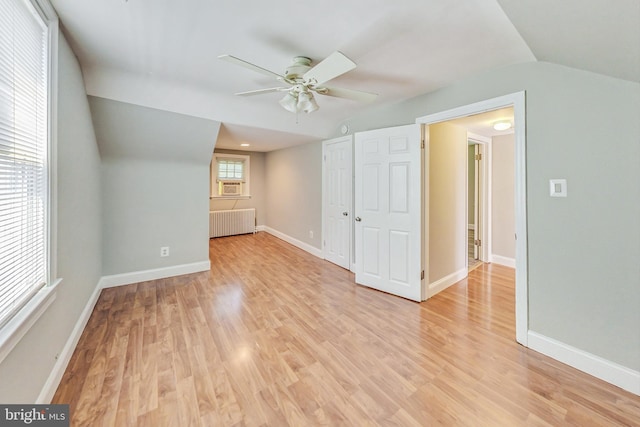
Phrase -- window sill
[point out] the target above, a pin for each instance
(19, 325)
(230, 197)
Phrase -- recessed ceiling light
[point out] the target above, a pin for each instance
(502, 125)
(244, 145)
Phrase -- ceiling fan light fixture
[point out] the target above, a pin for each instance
(307, 103)
(290, 102)
(303, 79)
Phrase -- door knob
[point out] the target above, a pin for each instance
(345, 213)
(358, 219)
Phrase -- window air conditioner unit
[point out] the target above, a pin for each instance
(230, 188)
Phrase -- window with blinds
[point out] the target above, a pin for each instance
(24, 146)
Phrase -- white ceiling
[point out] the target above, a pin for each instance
(163, 53)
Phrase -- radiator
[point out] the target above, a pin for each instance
(232, 222)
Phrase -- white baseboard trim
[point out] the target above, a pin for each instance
(260, 228)
(503, 260)
(51, 385)
(154, 274)
(608, 371)
(445, 282)
(295, 242)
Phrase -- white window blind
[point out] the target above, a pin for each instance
(23, 155)
(230, 170)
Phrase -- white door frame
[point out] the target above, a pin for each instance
(349, 139)
(485, 203)
(517, 101)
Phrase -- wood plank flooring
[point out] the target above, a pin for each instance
(273, 336)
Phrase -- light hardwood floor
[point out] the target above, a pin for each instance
(274, 336)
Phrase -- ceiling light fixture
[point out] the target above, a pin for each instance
(503, 125)
(244, 145)
(306, 103)
(290, 102)
(299, 99)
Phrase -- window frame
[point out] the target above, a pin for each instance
(19, 324)
(246, 181)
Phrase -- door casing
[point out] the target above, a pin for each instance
(484, 204)
(517, 101)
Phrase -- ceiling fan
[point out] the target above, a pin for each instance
(303, 80)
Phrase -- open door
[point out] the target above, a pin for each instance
(388, 215)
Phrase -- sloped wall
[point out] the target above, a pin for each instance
(155, 185)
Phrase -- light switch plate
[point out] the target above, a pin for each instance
(558, 187)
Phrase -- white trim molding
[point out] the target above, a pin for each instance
(608, 371)
(517, 100)
(51, 385)
(295, 242)
(154, 274)
(503, 260)
(16, 328)
(442, 284)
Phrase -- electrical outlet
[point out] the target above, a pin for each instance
(311, 234)
(164, 251)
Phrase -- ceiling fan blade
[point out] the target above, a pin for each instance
(250, 66)
(331, 67)
(355, 95)
(261, 91)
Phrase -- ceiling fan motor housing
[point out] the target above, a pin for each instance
(300, 65)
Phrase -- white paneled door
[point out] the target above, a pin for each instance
(337, 185)
(388, 211)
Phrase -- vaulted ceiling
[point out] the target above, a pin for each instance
(163, 53)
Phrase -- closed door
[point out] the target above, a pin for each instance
(388, 210)
(337, 184)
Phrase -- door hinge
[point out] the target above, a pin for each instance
(422, 275)
(479, 156)
(478, 242)
(422, 143)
